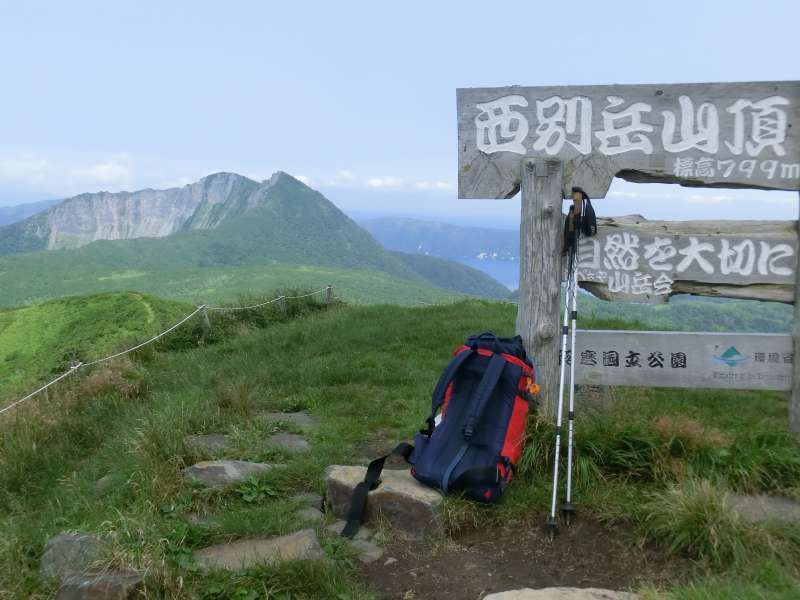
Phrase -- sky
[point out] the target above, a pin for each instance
(355, 98)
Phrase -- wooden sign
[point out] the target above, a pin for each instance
(632, 259)
(700, 134)
(748, 361)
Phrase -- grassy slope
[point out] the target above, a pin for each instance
(632, 466)
(39, 341)
(454, 276)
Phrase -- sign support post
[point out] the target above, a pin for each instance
(540, 272)
(794, 402)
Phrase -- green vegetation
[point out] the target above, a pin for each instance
(661, 460)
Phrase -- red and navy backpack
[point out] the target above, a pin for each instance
(476, 431)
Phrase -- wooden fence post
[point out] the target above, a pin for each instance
(206, 320)
(328, 294)
(794, 403)
(541, 239)
(282, 304)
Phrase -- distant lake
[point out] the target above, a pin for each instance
(504, 271)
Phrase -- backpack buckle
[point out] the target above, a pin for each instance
(468, 431)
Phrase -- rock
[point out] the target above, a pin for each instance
(389, 561)
(106, 483)
(299, 419)
(562, 593)
(107, 585)
(290, 442)
(310, 514)
(366, 551)
(247, 553)
(764, 508)
(308, 499)
(70, 553)
(364, 533)
(213, 473)
(207, 444)
(400, 498)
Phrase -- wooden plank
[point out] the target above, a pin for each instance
(540, 273)
(700, 134)
(632, 259)
(750, 361)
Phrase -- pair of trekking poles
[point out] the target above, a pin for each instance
(581, 217)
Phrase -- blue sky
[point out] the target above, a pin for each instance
(357, 97)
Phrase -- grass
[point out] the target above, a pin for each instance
(659, 459)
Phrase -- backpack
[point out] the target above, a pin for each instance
(476, 430)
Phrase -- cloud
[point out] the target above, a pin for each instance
(385, 182)
(303, 179)
(432, 185)
(701, 199)
(49, 176)
(344, 175)
(105, 173)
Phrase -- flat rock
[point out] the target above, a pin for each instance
(299, 419)
(366, 551)
(399, 498)
(207, 444)
(70, 553)
(308, 499)
(310, 514)
(764, 508)
(107, 585)
(562, 593)
(243, 554)
(364, 533)
(290, 442)
(214, 473)
(106, 483)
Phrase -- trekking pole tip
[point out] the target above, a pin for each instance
(552, 526)
(568, 510)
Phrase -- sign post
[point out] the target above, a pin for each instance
(546, 140)
(794, 402)
(540, 268)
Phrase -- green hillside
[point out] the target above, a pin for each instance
(653, 468)
(294, 237)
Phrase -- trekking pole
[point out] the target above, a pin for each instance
(567, 509)
(552, 521)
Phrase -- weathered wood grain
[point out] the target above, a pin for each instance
(540, 273)
(632, 259)
(701, 134)
(751, 361)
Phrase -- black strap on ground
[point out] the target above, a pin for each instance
(358, 503)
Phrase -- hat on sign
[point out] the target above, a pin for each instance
(577, 189)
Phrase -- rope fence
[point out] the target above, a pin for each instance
(328, 290)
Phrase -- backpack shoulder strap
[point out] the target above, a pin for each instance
(485, 388)
(447, 376)
(358, 502)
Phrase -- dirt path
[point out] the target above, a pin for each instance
(588, 554)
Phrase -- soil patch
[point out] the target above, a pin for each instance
(495, 559)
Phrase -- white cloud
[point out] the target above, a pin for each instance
(433, 185)
(701, 199)
(385, 182)
(63, 176)
(105, 173)
(303, 179)
(344, 175)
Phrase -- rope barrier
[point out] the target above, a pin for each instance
(199, 309)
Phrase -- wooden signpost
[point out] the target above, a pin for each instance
(545, 140)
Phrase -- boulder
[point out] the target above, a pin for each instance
(399, 498)
(291, 442)
(764, 508)
(207, 444)
(364, 533)
(298, 419)
(70, 553)
(244, 554)
(218, 473)
(106, 585)
(366, 551)
(562, 593)
(308, 499)
(310, 514)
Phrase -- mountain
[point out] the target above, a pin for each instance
(220, 223)
(19, 212)
(444, 240)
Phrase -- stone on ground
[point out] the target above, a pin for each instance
(310, 514)
(562, 593)
(364, 533)
(108, 585)
(207, 444)
(214, 473)
(308, 499)
(400, 498)
(366, 551)
(290, 442)
(248, 553)
(299, 419)
(70, 553)
(764, 508)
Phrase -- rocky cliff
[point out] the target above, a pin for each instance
(86, 218)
